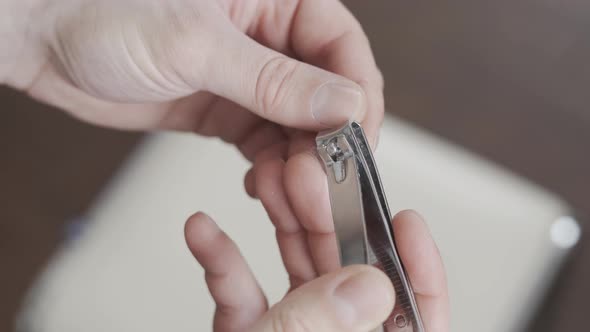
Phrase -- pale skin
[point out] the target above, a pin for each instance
(262, 75)
(315, 304)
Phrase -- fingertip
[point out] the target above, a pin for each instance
(250, 183)
(424, 267)
(373, 276)
(197, 217)
(366, 296)
(374, 114)
(198, 226)
(411, 222)
(372, 129)
(193, 220)
(419, 253)
(409, 215)
(377, 277)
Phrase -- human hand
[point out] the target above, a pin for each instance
(355, 298)
(219, 68)
(224, 68)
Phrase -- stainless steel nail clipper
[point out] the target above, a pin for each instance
(362, 218)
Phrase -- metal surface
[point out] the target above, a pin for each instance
(362, 219)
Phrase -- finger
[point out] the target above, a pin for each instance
(259, 138)
(228, 121)
(306, 187)
(170, 51)
(237, 295)
(276, 87)
(291, 237)
(425, 269)
(324, 250)
(268, 170)
(213, 117)
(296, 257)
(250, 183)
(356, 298)
(271, 152)
(324, 33)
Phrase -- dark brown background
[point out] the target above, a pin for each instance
(507, 79)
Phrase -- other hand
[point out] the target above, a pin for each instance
(354, 298)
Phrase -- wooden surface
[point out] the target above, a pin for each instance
(507, 79)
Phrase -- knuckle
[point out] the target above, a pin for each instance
(290, 319)
(273, 83)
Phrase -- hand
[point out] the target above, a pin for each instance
(224, 68)
(355, 298)
(259, 74)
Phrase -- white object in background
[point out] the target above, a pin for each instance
(130, 270)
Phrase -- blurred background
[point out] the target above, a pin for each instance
(508, 80)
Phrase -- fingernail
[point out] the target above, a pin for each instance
(335, 103)
(363, 300)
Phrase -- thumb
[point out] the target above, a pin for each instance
(281, 89)
(356, 298)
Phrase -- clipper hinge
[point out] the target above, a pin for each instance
(337, 151)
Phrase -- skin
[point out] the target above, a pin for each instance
(242, 306)
(248, 72)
